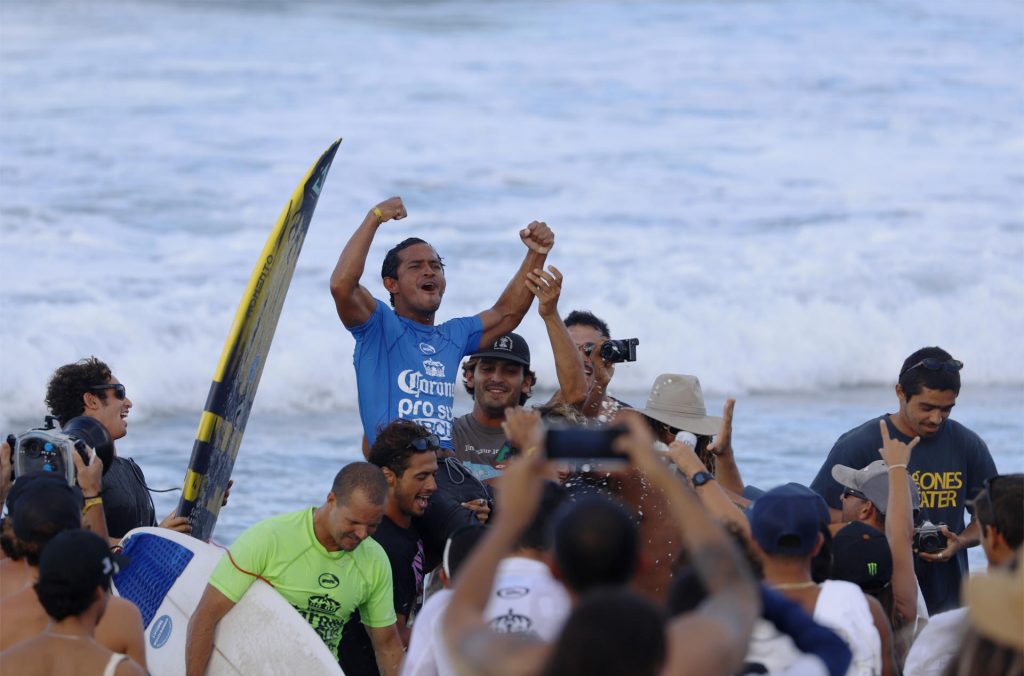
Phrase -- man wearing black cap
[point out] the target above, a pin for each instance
(498, 377)
(949, 466)
(74, 588)
(43, 510)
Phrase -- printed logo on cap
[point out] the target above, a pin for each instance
(504, 343)
(872, 569)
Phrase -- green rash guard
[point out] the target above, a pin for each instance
(325, 587)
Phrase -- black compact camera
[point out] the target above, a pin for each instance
(616, 351)
(49, 448)
(928, 538)
(579, 443)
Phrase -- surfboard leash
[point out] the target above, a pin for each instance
(233, 563)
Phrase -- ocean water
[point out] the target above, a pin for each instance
(784, 198)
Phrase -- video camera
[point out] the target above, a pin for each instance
(49, 448)
(615, 351)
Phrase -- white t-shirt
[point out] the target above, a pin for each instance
(525, 599)
(937, 644)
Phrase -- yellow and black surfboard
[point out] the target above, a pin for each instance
(245, 352)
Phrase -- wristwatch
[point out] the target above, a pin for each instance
(701, 478)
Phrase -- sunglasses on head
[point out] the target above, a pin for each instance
(431, 442)
(118, 389)
(847, 492)
(936, 364)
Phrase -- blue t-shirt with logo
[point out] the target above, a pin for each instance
(408, 370)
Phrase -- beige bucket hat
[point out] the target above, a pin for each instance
(678, 401)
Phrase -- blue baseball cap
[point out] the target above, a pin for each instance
(787, 519)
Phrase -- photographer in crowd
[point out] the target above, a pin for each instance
(590, 333)
(949, 467)
(88, 388)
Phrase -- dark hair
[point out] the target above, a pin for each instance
(914, 380)
(7, 539)
(61, 601)
(538, 534)
(587, 318)
(1001, 509)
(391, 449)
(562, 413)
(389, 268)
(687, 590)
(981, 655)
(360, 476)
(463, 541)
(69, 382)
(529, 376)
(821, 563)
(596, 543)
(610, 632)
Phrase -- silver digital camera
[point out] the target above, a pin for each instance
(49, 448)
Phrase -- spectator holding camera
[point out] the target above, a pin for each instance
(949, 466)
(88, 388)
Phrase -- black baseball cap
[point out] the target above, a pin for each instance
(44, 508)
(861, 554)
(24, 481)
(510, 347)
(77, 561)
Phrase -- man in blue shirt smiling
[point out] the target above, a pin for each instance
(406, 364)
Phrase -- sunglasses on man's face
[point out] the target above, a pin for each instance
(118, 390)
(847, 492)
(431, 442)
(936, 364)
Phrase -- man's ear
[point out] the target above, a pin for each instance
(818, 544)
(90, 402)
(467, 378)
(391, 284)
(391, 477)
(899, 393)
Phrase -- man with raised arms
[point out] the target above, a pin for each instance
(405, 364)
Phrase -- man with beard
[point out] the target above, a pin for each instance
(405, 363)
(499, 377)
(406, 453)
(949, 466)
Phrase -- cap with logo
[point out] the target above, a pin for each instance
(510, 347)
(873, 482)
(787, 519)
(860, 554)
(77, 561)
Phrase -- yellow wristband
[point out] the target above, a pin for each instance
(380, 216)
(91, 502)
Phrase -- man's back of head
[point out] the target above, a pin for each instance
(538, 535)
(43, 509)
(363, 477)
(998, 506)
(786, 521)
(595, 543)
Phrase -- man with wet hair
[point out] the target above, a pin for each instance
(949, 466)
(74, 591)
(322, 560)
(405, 363)
(589, 332)
(88, 387)
(406, 454)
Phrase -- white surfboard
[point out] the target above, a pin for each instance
(262, 634)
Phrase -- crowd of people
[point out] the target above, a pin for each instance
(575, 536)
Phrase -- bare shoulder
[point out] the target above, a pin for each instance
(129, 668)
(123, 610)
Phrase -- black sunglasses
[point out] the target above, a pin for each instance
(847, 492)
(431, 442)
(936, 364)
(118, 389)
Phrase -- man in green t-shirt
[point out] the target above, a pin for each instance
(322, 560)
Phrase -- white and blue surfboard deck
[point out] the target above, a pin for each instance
(262, 634)
(237, 376)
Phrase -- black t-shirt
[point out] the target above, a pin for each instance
(126, 500)
(949, 469)
(445, 513)
(405, 552)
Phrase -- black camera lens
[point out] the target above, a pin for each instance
(616, 351)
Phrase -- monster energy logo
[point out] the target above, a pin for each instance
(872, 569)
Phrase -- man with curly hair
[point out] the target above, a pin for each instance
(88, 387)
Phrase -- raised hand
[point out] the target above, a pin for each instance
(894, 451)
(523, 429)
(390, 209)
(547, 287)
(538, 237)
(722, 444)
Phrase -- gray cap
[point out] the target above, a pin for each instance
(873, 481)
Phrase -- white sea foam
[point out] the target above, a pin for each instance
(775, 196)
